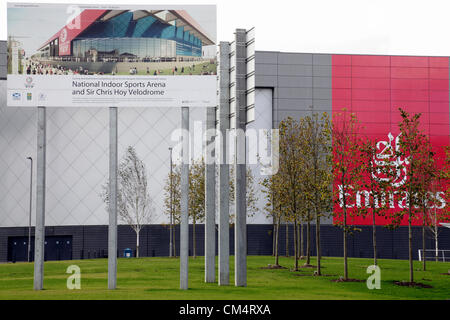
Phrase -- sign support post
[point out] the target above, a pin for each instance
(184, 201)
(39, 242)
(210, 198)
(112, 229)
(240, 232)
(224, 187)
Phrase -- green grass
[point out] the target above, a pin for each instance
(157, 278)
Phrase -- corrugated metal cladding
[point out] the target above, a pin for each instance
(299, 80)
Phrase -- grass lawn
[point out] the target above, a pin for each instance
(157, 278)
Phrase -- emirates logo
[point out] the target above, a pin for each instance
(386, 156)
(63, 35)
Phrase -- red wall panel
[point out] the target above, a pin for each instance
(374, 87)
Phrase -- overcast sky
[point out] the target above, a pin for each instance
(344, 26)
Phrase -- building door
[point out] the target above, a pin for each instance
(18, 249)
(56, 248)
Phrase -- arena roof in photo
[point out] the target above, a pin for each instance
(168, 24)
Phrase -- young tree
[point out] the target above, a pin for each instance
(289, 172)
(376, 184)
(436, 212)
(427, 173)
(251, 197)
(270, 187)
(316, 175)
(172, 196)
(196, 197)
(346, 170)
(413, 156)
(133, 197)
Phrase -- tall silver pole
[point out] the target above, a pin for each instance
(31, 206)
(210, 198)
(224, 186)
(112, 229)
(171, 208)
(39, 242)
(184, 228)
(240, 231)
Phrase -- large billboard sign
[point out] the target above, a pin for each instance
(111, 55)
(374, 88)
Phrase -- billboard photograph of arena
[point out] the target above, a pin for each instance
(116, 42)
(111, 55)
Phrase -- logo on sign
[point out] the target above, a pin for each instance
(16, 96)
(63, 35)
(29, 96)
(29, 82)
(387, 156)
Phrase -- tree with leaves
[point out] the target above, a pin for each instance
(251, 197)
(347, 167)
(133, 198)
(376, 184)
(172, 196)
(427, 173)
(316, 175)
(438, 212)
(413, 157)
(197, 196)
(289, 191)
(270, 187)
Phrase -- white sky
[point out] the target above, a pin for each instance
(340, 26)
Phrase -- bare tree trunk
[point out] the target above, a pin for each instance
(318, 250)
(174, 243)
(436, 243)
(276, 242)
(345, 245)
(295, 246)
(374, 238)
(302, 253)
(287, 239)
(137, 244)
(193, 239)
(411, 267)
(273, 236)
(424, 266)
(308, 242)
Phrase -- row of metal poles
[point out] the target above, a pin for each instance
(228, 77)
(210, 206)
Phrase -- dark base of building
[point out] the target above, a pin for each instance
(89, 242)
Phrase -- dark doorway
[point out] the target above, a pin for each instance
(56, 248)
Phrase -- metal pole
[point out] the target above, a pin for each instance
(39, 243)
(240, 231)
(224, 186)
(112, 229)
(210, 198)
(171, 208)
(184, 204)
(31, 205)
